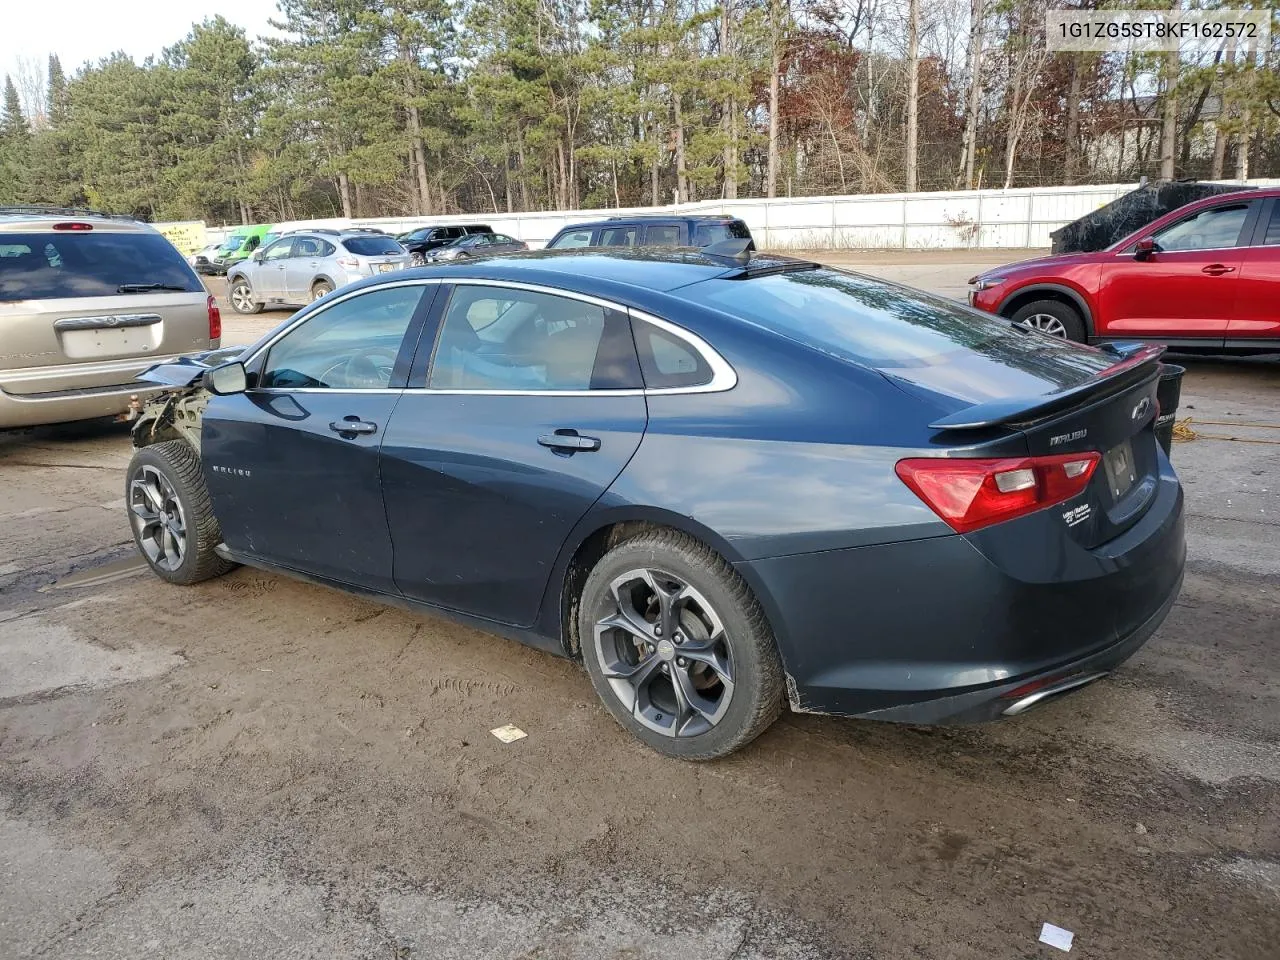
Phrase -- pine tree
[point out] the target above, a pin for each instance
(13, 125)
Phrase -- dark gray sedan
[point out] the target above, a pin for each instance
(477, 245)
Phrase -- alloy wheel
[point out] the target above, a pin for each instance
(1045, 323)
(242, 298)
(664, 652)
(158, 518)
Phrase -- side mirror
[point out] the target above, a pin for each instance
(258, 255)
(226, 379)
(1145, 248)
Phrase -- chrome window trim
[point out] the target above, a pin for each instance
(723, 376)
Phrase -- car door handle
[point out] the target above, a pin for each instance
(353, 425)
(569, 441)
(1217, 269)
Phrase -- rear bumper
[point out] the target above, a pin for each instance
(933, 631)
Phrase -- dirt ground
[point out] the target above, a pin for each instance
(255, 767)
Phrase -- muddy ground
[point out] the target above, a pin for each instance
(256, 768)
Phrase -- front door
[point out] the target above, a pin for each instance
(292, 463)
(268, 275)
(1186, 290)
(532, 408)
(1257, 315)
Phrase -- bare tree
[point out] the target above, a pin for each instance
(31, 79)
(913, 92)
(1169, 124)
(977, 36)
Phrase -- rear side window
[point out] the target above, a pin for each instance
(667, 360)
(1271, 237)
(44, 266)
(705, 234)
(619, 236)
(574, 238)
(662, 235)
(373, 246)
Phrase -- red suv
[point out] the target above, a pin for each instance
(1205, 276)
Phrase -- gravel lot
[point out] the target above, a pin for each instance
(255, 767)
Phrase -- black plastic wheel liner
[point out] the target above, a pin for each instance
(1137, 208)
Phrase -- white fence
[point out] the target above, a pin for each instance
(958, 220)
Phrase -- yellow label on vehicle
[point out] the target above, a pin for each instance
(187, 235)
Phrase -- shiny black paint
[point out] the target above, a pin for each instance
(877, 606)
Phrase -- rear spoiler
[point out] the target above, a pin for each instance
(1130, 357)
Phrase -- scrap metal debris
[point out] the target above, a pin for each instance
(508, 733)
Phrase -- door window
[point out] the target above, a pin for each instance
(663, 235)
(575, 238)
(494, 338)
(619, 236)
(1207, 230)
(308, 247)
(279, 250)
(1271, 236)
(351, 345)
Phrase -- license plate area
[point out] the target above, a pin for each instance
(1118, 465)
(105, 342)
(386, 267)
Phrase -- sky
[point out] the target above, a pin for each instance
(80, 30)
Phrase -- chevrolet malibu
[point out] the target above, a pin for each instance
(724, 483)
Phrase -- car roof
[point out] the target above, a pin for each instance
(651, 218)
(606, 272)
(15, 218)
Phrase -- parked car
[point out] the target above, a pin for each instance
(477, 245)
(652, 231)
(88, 301)
(305, 266)
(723, 483)
(202, 260)
(1205, 277)
(425, 239)
(240, 245)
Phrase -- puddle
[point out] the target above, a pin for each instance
(103, 573)
(37, 657)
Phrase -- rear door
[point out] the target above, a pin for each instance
(1257, 314)
(93, 306)
(623, 235)
(1187, 289)
(532, 407)
(302, 267)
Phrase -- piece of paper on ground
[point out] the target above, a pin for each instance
(1056, 937)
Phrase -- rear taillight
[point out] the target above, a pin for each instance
(75, 225)
(971, 494)
(215, 320)
(351, 263)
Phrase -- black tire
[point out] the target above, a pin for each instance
(1068, 319)
(240, 293)
(750, 652)
(177, 463)
(321, 288)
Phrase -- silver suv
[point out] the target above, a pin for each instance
(304, 266)
(87, 302)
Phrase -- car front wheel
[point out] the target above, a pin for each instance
(678, 648)
(171, 514)
(241, 295)
(1052, 317)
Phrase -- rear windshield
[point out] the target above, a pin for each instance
(45, 266)
(705, 234)
(373, 246)
(893, 329)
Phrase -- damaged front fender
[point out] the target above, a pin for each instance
(177, 413)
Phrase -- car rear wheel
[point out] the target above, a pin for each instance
(171, 514)
(321, 288)
(678, 648)
(417, 259)
(241, 295)
(1052, 317)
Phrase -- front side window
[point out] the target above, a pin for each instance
(278, 250)
(1206, 230)
(494, 338)
(664, 235)
(351, 345)
(574, 238)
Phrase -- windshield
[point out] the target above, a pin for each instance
(373, 246)
(906, 333)
(42, 266)
(231, 244)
